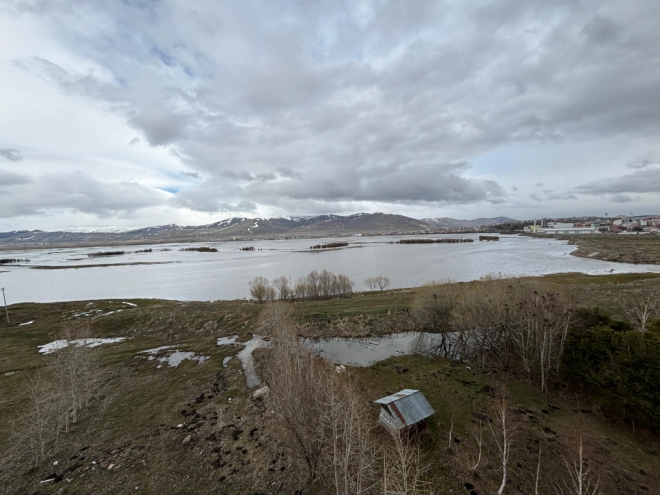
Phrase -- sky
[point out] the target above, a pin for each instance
(131, 113)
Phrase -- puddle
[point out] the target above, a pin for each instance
(367, 351)
(61, 344)
(245, 357)
(247, 360)
(227, 340)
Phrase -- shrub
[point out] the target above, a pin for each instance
(621, 368)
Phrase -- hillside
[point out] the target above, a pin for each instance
(237, 228)
(228, 229)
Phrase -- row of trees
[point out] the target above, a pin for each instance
(315, 285)
(59, 391)
(499, 319)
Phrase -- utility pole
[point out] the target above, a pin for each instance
(5, 299)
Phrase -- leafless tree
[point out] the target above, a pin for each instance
(371, 283)
(382, 282)
(503, 428)
(38, 426)
(296, 378)
(538, 473)
(478, 435)
(261, 290)
(403, 468)
(352, 456)
(642, 307)
(284, 287)
(432, 306)
(76, 370)
(578, 479)
(58, 392)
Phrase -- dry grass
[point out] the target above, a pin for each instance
(134, 422)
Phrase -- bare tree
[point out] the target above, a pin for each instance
(352, 456)
(538, 473)
(432, 306)
(502, 428)
(296, 379)
(76, 370)
(284, 287)
(261, 290)
(382, 282)
(371, 283)
(478, 435)
(38, 426)
(403, 468)
(642, 307)
(578, 479)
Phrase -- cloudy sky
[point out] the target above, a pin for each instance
(143, 112)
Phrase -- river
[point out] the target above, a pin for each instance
(169, 273)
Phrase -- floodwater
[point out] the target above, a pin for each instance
(367, 351)
(168, 273)
(245, 356)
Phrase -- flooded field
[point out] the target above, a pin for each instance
(169, 273)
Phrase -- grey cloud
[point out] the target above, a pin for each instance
(134, 141)
(12, 179)
(325, 103)
(194, 175)
(640, 181)
(11, 154)
(78, 192)
(642, 164)
(552, 195)
(622, 198)
(601, 30)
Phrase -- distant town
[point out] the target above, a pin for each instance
(621, 224)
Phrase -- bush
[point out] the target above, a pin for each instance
(586, 318)
(621, 368)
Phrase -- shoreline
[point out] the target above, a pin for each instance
(615, 248)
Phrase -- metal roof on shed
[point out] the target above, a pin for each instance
(404, 408)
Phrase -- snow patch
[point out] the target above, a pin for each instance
(56, 345)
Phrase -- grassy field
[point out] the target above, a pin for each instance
(196, 429)
(643, 248)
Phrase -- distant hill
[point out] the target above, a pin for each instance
(453, 223)
(247, 228)
(230, 228)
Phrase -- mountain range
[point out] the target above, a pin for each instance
(250, 228)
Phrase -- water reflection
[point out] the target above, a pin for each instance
(367, 351)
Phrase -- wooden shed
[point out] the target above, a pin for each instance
(404, 409)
